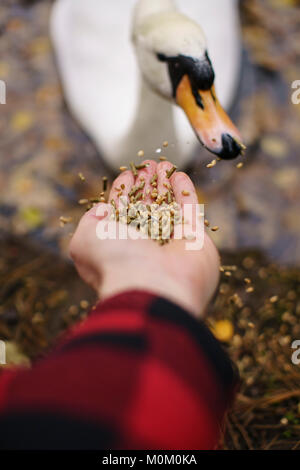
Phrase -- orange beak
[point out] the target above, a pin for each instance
(212, 125)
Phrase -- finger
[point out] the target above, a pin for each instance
(185, 195)
(121, 187)
(100, 211)
(183, 188)
(144, 178)
(86, 230)
(163, 182)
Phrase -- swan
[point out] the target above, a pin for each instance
(137, 73)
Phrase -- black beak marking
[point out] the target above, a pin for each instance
(231, 149)
(197, 97)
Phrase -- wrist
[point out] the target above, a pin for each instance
(117, 281)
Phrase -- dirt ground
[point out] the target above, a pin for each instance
(257, 310)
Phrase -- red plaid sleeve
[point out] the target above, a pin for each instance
(139, 373)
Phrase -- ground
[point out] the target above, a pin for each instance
(257, 310)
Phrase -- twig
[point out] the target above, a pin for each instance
(233, 435)
(243, 432)
(272, 442)
(296, 446)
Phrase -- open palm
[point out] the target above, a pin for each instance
(188, 278)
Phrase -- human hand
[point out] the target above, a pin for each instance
(110, 266)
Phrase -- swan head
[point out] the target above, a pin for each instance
(173, 58)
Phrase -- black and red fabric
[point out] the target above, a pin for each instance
(138, 373)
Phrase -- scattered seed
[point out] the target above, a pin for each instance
(133, 169)
(274, 299)
(247, 280)
(165, 143)
(153, 179)
(122, 186)
(65, 220)
(240, 165)
(139, 197)
(141, 167)
(38, 319)
(83, 201)
(228, 273)
(123, 168)
(249, 290)
(133, 191)
(248, 262)
(236, 299)
(81, 177)
(84, 304)
(104, 182)
(102, 199)
(243, 147)
(141, 153)
(158, 228)
(160, 199)
(73, 310)
(237, 341)
(206, 223)
(215, 228)
(171, 171)
(162, 158)
(285, 340)
(230, 268)
(211, 164)
(94, 200)
(185, 193)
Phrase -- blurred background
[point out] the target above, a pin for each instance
(42, 150)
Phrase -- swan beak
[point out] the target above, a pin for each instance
(212, 125)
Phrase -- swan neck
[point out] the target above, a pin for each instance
(146, 131)
(147, 8)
